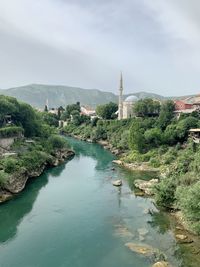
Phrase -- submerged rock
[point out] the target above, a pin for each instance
(146, 186)
(142, 233)
(5, 196)
(161, 264)
(123, 232)
(117, 183)
(147, 251)
(183, 238)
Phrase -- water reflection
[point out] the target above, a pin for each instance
(95, 151)
(13, 212)
(160, 221)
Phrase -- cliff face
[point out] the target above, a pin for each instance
(17, 181)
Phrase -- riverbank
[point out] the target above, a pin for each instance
(180, 226)
(18, 178)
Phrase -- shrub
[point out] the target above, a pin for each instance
(10, 165)
(34, 159)
(165, 192)
(57, 142)
(188, 199)
(154, 162)
(11, 131)
(3, 178)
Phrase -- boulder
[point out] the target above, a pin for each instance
(147, 251)
(142, 233)
(181, 238)
(117, 182)
(146, 186)
(123, 232)
(161, 264)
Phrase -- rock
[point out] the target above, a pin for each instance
(183, 239)
(161, 264)
(117, 183)
(139, 194)
(5, 196)
(113, 169)
(140, 249)
(119, 162)
(123, 231)
(146, 186)
(147, 251)
(146, 211)
(142, 231)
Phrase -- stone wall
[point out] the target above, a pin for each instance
(5, 143)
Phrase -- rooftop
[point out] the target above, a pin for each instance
(131, 98)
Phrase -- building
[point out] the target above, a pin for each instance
(125, 108)
(187, 106)
(182, 105)
(85, 110)
(128, 105)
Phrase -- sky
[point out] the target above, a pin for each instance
(86, 43)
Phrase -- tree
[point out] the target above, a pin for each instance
(107, 111)
(45, 108)
(50, 119)
(146, 107)
(166, 114)
(136, 138)
(153, 137)
(28, 118)
(60, 111)
(71, 108)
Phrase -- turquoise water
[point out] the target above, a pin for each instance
(72, 216)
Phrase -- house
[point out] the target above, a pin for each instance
(88, 111)
(182, 105)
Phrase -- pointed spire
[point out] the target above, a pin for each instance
(121, 82)
(120, 107)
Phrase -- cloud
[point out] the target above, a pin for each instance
(86, 44)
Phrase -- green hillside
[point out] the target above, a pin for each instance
(37, 94)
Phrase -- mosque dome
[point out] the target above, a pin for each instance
(131, 99)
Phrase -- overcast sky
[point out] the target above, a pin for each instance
(86, 43)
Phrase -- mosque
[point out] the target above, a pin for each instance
(125, 109)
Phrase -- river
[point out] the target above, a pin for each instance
(72, 216)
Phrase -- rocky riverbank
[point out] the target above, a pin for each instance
(17, 181)
(119, 153)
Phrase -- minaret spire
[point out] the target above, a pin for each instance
(120, 109)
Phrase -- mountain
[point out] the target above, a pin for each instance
(37, 94)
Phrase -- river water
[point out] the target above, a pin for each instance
(72, 216)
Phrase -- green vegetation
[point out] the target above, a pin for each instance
(107, 111)
(159, 139)
(11, 131)
(147, 107)
(21, 121)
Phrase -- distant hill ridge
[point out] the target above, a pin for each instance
(57, 95)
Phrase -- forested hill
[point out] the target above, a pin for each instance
(37, 94)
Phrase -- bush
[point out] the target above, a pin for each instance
(165, 192)
(3, 178)
(57, 142)
(188, 199)
(34, 159)
(11, 131)
(10, 165)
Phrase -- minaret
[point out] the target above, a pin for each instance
(120, 108)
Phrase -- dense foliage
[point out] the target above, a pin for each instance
(147, 107)
(107, 111)
(18, 119)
